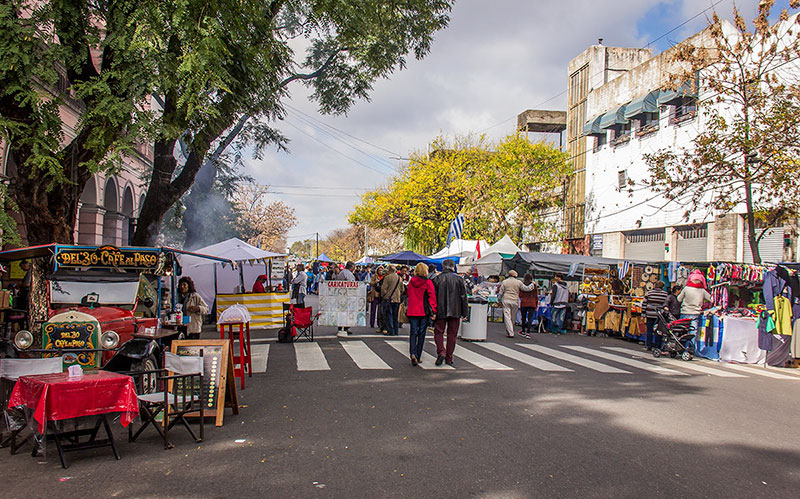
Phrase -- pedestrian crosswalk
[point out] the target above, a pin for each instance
(386, 355)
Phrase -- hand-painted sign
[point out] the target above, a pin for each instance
(107, 257)
(70, 331)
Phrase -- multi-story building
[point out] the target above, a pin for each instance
(622, 116)
(109, 204)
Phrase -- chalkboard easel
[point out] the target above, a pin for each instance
(218, 381)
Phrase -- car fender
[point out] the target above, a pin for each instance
(137, 348)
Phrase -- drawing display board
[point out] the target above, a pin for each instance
(219, 384)
(343, 303)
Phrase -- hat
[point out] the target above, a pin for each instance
(512, 273)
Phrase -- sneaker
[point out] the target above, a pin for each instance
(510, 335)
(341, 334)
(414, 360)
(449, 362)
(439, 360)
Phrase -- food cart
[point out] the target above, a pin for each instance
(101, 306)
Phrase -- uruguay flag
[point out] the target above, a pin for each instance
(455, 229)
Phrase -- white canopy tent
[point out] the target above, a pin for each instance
(491, 264)
(460, 248)
(504, 247)
(212, 278)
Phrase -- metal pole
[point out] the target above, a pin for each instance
(317, 255)
(366, 240)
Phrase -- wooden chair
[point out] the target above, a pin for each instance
(179, 394)
(10, 372)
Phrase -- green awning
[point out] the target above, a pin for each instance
(614, 117)
(685, 90)
(647, 103)
(592, 127)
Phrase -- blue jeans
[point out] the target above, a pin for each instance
(416, 339)
(392, 323)
(557, 319)
(695, 324)
(653, 339)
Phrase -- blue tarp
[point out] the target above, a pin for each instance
(405, 257)
(324, 258)
(437, 262)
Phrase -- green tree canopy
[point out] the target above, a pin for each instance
(500, 188)
(219, 70)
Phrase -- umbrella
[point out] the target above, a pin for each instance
(324, 258)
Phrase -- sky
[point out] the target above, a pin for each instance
(489, 65)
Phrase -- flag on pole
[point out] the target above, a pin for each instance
(455, 229)
(478, 249)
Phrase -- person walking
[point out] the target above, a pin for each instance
(374, 297)
(528, 303)
(392, 290)
(193, 306)
(421, 305)
(654, 300)
(559, 297)
(451, 301)
(509, 297)
(346, 274)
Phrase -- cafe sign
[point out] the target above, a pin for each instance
(107, 257)
(72, 331)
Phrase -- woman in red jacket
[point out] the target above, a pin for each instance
(421, 305)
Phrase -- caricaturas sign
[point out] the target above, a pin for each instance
(107, 257)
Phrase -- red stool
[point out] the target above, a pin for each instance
(244, 359)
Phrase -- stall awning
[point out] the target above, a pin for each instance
(688, 89)
(647, 103)
(592, 127)
(613, 117)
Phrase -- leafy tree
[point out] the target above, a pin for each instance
(261, 223)
(220, 70)
(499, 188)
(748, 148)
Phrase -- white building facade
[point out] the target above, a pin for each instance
(633, 115)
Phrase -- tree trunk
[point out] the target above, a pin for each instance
(751, 223)
(159, 197)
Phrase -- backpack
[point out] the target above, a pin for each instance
(284, 336)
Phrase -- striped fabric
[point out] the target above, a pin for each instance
(654, 300)
(266, 309)
(455, 229)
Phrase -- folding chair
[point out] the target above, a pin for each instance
(179, 395)
(303, 323)
(10, 371)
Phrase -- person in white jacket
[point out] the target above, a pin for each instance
(193, 306)
(509, 297)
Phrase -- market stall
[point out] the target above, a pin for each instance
(223, 285)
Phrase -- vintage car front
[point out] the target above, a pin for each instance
(93, 319)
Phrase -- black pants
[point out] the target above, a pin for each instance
(527, 318)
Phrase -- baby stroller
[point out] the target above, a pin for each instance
(676, 336)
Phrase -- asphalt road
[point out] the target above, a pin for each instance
(606, 421)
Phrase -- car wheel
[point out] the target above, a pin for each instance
(149, 381)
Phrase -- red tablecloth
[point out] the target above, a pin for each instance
(53, 397)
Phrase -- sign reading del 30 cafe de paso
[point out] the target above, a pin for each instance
(107, 257)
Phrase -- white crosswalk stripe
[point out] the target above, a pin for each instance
(478, 360)
(259, 355)
(524, 358)
(589, 364)
(428, 360)
(691, 365)
(310, 357)
(363, 356)
(638, 364)
(760, 371)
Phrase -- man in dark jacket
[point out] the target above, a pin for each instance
(451, 299)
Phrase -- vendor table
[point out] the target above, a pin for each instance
(56, 397)
(244, 360)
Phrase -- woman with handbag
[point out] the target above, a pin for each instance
(421, 306)
(374, 297)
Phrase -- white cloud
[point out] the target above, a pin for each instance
(493, 62)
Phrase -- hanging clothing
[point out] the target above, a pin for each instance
(773, 286)
(783, 315)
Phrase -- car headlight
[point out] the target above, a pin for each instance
(109, 340)
(23, 339)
